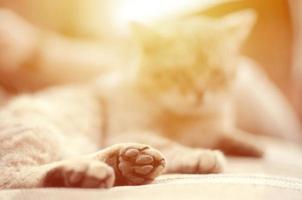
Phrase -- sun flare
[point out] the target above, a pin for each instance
(147, 11)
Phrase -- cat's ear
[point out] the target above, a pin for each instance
(145, 36)
(238, 25)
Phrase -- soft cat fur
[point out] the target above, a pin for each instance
(177, 95)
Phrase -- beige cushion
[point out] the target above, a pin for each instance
(181, 187)
(277, 176)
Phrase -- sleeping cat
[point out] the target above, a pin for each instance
(175, 99)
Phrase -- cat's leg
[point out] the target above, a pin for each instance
(232, 142)
(36, 157)
(240, 143)
(133, 163)
(180, 159)
(75, 173)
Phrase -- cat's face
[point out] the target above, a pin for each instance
(182, 60)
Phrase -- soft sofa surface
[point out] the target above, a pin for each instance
(277, 176)
(229, 186)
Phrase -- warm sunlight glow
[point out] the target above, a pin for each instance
(148, 11)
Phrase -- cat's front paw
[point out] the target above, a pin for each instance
(135, 164)
(80, 174)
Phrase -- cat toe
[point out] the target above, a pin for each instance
(80, 174)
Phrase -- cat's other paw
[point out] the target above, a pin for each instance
(197, 161)
(80, 174)
(210, 161)
(135, 164)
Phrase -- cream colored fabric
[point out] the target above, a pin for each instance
(247, 187)
(277, 176)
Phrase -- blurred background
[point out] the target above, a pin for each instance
(275, 42)
(105, 20)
